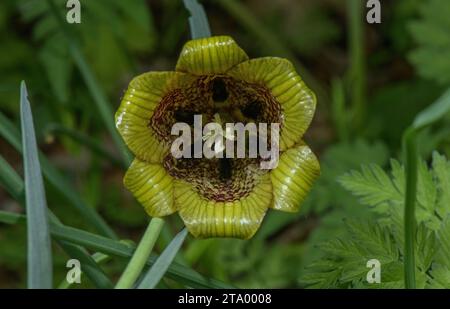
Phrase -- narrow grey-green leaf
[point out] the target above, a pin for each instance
(40, 272)
(198, 21)
(434, 112)
(12, 135)
(10, 217)
(176, 271)
(14, 185)
(154, 275)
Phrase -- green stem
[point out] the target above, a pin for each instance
(140, 256)
(357, 74)
(410, 200)
(340, 119)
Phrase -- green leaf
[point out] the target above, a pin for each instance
(176, 271)
(434, 112)
(441, 277)
(344, 263)
(426, 247)
(198, 20)
(89, 266)
(373, 186)
(40, 271)
(336, 161)
(10, 217)
(159, 268)
(346, 258)
(430, 32)
(321, 274)
(443, 256)
(441, 172)
(55, 177)
(385, 194)
(15, 188)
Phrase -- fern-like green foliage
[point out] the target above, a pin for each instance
(431, 33)
(334, 162)
(343, 264)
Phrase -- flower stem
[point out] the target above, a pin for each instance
(410, 200)
(141, 255)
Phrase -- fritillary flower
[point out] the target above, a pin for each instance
(218, 197)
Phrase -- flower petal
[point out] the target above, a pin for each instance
(138, 104)
(297, 101)
(213, 55)
(206, 218)
(152, 186)
(294, 176)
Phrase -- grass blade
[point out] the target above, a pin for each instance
(176, 271)
(10, 217)
(434, 112)
(161, 265)
(92, 270)
(55, 178)
(15, 188)
(89, 266)
(198, 21)
(40, 271)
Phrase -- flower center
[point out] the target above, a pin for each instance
(231, 101)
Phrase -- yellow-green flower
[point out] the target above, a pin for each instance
(217, 197)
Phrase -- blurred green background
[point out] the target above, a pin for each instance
(371, 81)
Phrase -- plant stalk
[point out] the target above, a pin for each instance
(410, 200)
(141, 255)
